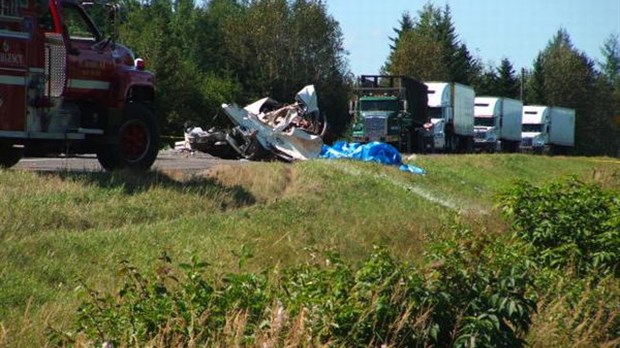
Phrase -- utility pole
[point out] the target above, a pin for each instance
(522, 78)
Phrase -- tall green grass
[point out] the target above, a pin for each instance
(60, 230)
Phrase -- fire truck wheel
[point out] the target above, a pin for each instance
(9, 155)
(137, 141)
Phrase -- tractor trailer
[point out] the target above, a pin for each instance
(65, 87)
(548, 129)
(389, 109)
(451, 111)
(497, 124)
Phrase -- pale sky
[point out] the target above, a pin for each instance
(491, 29)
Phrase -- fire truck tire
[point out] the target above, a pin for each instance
(136, 141)
(9, 155)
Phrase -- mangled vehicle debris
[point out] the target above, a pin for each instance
(266, 129)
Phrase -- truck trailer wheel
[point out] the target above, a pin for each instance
(9, 155)
(469, 145)
(135, 141)
(513, 146)
(406, 143)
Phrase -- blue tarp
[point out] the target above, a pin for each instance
(371, 152)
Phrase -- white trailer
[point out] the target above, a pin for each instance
(497, 124)
(451, 111)
(562, 127)
(548, 129)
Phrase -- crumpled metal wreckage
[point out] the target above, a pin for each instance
(266, 129)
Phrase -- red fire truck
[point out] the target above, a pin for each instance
(66, 88)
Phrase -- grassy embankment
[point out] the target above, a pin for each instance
(59, 230)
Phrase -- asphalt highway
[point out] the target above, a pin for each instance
(167, 161)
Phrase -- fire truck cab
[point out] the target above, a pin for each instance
(66, 88)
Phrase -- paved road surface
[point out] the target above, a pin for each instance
(168, 160)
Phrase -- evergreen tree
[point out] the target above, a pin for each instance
(457, 58)
(416, 56)
(610, 67)
(564, 76)
(485, 81)
(433, 50)
(507, 83)
(534, 93)
(568, 73)
(609, 85)
(406, 24)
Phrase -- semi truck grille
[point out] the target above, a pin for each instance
(479, 135)
(526, 142)
(376, 127)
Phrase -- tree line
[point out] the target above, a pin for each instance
(224, 51)
(427, 47)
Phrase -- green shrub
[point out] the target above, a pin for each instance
(379, 302)
(573, 233)
(473, 293)
(481, 290)
(568, 223)
(174, 310)
(474, 289)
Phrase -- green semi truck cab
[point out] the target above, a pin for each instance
(389, 108)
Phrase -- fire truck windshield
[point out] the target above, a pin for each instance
(77, 24)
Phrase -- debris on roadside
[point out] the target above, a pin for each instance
(265, 129)
(371, 152)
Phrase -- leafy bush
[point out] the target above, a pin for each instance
(172, 310)
(573, 233)
(568, 224)
(481, 288)
(474, 289)
(474, 292)
(379, 302)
